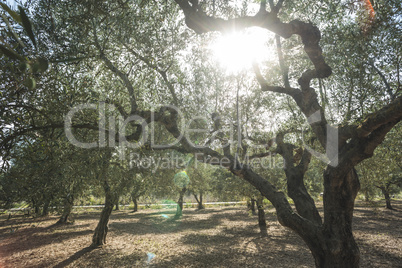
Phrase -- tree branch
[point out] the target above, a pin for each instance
(293, 92)
(384, 80)
(156, 68)
(125, 81)
(286, 216)
(114, 69)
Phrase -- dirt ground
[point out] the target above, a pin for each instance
(214, 237)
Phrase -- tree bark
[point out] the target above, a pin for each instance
(338, 247)
(101, 230)
(262, 223)
(117, 206)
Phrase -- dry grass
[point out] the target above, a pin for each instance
(215, 237)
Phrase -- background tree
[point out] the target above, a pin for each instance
(383, 170)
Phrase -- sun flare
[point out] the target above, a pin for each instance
(237, 51)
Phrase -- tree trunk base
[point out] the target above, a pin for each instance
(99, 237)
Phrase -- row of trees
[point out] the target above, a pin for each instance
(45, 174)
(150, 61)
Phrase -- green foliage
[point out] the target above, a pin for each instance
(26, 23)
(384, 169)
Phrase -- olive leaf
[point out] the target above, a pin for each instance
(10, 53)
(27, 25)
(12, 13)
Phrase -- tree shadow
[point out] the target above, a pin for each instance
(32, 238)
(375, 255)
(75, 257)
(239, 248)
(161, 223)
(377, 220)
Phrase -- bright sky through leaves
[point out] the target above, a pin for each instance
(14, 4)
(236, 51)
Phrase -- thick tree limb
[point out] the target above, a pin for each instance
(305, 205)
(261, 155)
(285, 214)
(307, 101)
(389, 113)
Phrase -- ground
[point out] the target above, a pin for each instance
(214, 237)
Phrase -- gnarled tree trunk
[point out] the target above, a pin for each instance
(101, 230)
(332, 243)
(337, 246)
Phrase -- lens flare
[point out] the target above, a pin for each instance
(181, 179)
(367, 16)
(370, 8)
(150, 256)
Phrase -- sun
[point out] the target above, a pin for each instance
(237, 51)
